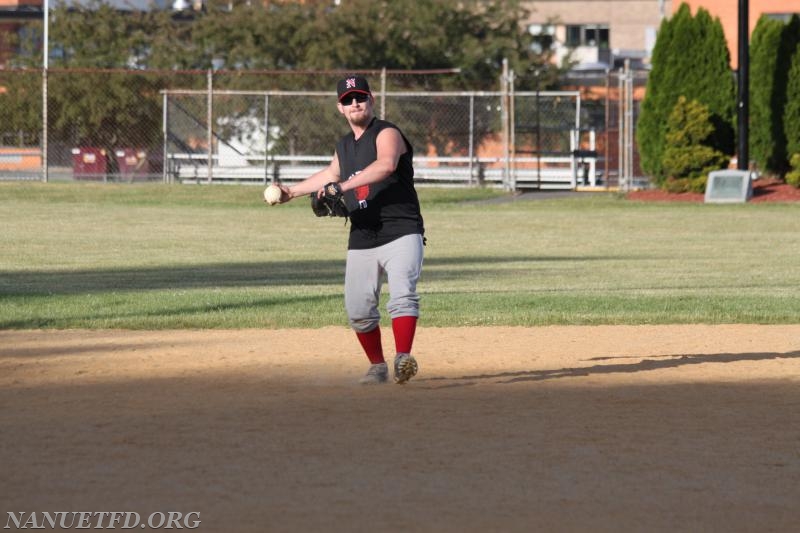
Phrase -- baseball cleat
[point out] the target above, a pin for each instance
(405, 367)
(377, 373)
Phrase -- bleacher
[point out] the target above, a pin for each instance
(555, 173)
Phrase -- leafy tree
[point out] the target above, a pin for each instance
(20, 106)
(94, 107)
(689, 154)
(358, 35)
(95, 36)
(366, 34)
(690, 59)
(21, 94)
(242, 37)
(109, 110)
(246, 37)
(171, 45)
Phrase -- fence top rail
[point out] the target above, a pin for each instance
(233, 92)
(420, 160)
(576, 94)
(481, 93)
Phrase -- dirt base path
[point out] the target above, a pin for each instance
(663, 428)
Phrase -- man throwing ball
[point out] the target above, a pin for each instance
(372, 176)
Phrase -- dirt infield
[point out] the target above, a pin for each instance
(611, 428)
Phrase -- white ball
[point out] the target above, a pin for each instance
(272, 194)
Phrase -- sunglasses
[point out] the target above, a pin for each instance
(358, 97)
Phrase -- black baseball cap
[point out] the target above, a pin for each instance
(352, 84)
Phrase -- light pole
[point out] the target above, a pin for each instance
(743, 156)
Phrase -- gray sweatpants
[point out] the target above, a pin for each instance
(401, 262)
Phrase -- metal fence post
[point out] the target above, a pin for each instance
(620, 133)
(209, 120)
(266, 140)
(45, 65)
(383, 93)
(577, 142)
(512, 134)
(626, 125)
(606, 138)
(165, 141)
(538, 103)
(45, 170)
(471, 140)
(574, 143)
(629, 123)
(504, 119)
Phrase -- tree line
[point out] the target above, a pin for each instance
(474, 37)
(687, 123)
(93, 106)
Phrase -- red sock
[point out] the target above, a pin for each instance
(404, 328)
(371, 342)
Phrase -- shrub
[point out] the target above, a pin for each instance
(689, 155)
(793, 176)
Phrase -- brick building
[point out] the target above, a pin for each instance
(598, 32)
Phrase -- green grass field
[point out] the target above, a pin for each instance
(155, 256)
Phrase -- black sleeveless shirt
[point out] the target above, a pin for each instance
(384, 211)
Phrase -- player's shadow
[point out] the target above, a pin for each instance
(654, 363)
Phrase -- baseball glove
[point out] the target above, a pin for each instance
(330, 204)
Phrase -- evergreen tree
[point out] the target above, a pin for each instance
(689, 154)
(690, 59)
(789, 45)
(791, 114)
(716, 85)
(651, 126)
(771, 49)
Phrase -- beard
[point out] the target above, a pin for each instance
(361, 119)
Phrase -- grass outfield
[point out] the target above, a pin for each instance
(156, 256)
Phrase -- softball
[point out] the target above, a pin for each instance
(272, 194)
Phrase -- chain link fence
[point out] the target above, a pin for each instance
(610, 107)
(458, 138)
(197, 126)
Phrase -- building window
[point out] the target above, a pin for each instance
(543, 37)
(596, 35)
